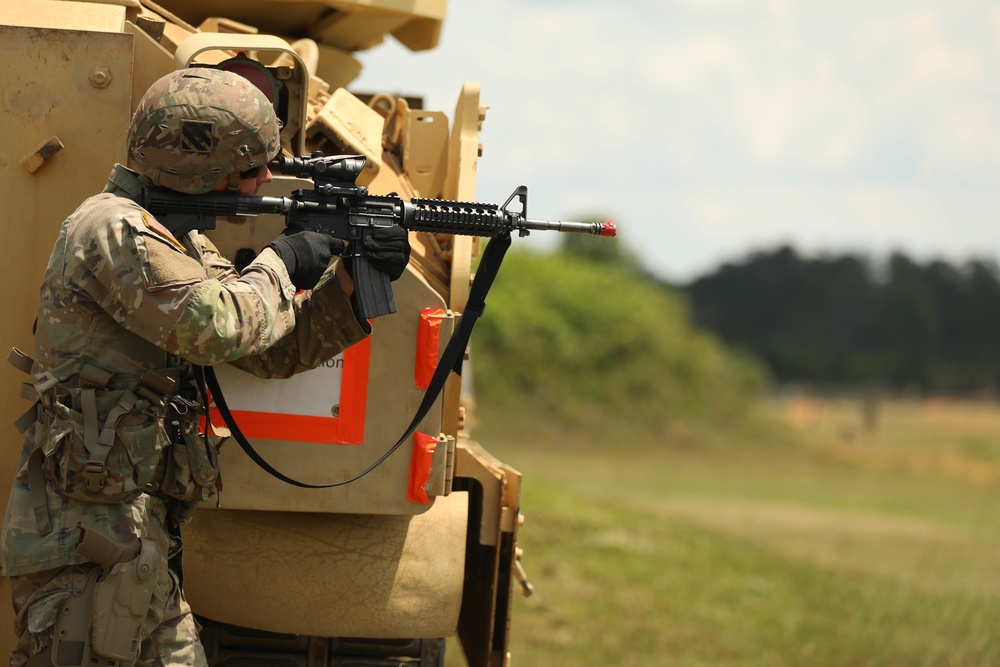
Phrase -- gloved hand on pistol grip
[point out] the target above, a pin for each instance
(388, 250)
(306, 254)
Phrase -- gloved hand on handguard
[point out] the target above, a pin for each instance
(388, 250)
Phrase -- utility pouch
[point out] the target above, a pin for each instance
(192, 461)
(111, 464)
(102, 442)
(121, 602)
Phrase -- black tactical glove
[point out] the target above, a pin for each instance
(306, 255)
(388, 250)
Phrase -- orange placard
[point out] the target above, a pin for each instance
(420, 467)
(347, 428)
(428, 342)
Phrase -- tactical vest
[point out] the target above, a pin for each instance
(105, 437)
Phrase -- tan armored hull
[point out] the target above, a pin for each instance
(365, 559)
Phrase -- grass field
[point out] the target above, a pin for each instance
(818, 536)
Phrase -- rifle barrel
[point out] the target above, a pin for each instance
(596, 228)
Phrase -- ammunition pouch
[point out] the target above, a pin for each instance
(101, 445)
(108, 438)
(190, 465)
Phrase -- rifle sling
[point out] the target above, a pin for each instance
(450, 361)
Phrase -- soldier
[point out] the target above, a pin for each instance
(118, 451)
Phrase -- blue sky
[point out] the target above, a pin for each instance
(710, 128)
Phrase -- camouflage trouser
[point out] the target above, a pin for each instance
(170, 632)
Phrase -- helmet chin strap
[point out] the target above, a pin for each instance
(234, 183)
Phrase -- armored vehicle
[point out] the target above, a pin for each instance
(423, 549)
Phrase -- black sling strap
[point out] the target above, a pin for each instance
(451, 360)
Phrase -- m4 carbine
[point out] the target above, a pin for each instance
(338, 206)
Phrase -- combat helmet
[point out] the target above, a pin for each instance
(195, 126)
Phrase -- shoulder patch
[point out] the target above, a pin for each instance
(155, 226)
(168, 267)
(164, 261)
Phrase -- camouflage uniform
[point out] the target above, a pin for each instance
(120, 293)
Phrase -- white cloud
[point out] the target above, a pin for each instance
(810, 116)
(966, 140)
(921, 57)
(779, 101)
(700, 228)
(707, 126)
(712, 4)
(993, 20)
(684, 67)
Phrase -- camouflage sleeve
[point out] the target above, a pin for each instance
(216, 264)
(325, 326)
(142, 277)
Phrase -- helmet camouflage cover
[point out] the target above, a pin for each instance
(194, 127)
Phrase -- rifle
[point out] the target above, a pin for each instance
(338, 206)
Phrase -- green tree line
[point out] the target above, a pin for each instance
(849, 320)
(585, 337)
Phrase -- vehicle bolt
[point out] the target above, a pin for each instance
(100, 77)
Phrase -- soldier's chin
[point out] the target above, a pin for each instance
(236, 219)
